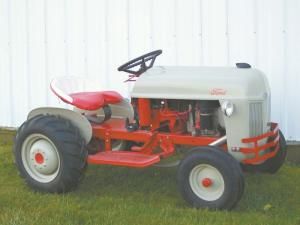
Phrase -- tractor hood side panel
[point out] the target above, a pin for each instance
(205, 83)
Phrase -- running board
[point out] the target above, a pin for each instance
(123, 158)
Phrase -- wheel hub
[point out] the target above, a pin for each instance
(39, 158)
(207, 182)
(43, 157)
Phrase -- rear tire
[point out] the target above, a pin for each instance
(49, 154)
(271, 165)
(210, 178)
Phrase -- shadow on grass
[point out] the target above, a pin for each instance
(262, 192)
(127, 182)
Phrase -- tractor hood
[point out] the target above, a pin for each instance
(205, 83)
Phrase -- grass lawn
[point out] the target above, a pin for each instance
(111, 195)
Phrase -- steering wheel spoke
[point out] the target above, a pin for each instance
(141, 62)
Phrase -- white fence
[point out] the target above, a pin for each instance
(41, 39)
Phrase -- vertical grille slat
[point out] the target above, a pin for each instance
(256, 120)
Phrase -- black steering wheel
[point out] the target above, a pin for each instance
(140, 61)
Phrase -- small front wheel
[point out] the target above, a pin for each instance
(210, 178)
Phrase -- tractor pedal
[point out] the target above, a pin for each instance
(123, 158)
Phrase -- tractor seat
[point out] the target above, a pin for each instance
(72, 90)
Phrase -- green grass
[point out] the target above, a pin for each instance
(114, 195)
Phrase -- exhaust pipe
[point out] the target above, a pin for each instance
(219, 141)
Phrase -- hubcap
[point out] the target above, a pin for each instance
(206, 182)
(40, 158)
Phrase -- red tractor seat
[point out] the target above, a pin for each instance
(71, 91)
(95, 100)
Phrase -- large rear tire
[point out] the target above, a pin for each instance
(210, 178)
(49, 154)
(271, 165)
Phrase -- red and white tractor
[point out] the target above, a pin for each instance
(217, 118)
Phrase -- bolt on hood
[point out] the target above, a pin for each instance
(205, 83)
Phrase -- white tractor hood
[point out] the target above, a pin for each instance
(205, 83)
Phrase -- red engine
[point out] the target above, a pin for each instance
(178, 116)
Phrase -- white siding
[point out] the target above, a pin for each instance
(41, 39)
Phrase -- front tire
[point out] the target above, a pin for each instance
(49, 154)
(210, 178)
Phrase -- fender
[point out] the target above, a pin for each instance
(75, 118)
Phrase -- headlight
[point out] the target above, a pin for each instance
(227, 108)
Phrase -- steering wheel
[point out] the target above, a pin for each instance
(140, 61)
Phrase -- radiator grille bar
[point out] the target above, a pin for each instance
(256, 118)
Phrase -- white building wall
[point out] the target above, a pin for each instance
(41, 39)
